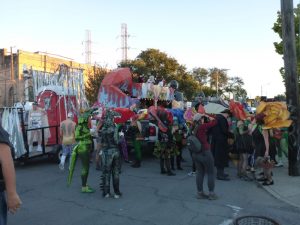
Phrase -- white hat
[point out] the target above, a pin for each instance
(197, 116)
(70, 115)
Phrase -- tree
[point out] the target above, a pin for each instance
(218, 79)
(153, 62)
(95, 77)
(235, 87)
(161, 66)
(201, 75)
(280, 97)
(277, 28)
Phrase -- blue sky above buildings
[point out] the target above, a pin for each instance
(230, 34)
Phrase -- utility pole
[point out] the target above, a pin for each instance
(291, 80)
(11, 64)
(12, 75)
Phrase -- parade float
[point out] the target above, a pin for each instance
(55, 94)
(120, 92)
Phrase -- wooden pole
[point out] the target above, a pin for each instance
(292, 82)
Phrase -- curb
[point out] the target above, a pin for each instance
(277, 195)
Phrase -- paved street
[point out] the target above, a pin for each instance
(149, 198)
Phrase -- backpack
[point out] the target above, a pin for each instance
(194, 144)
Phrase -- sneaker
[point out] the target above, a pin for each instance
(192, 174)
(106, 195)
(117, 195)
(267, 183)
(212, 196)
(279, 164)
(87, 189)
(39, 148)
(202, 195)
(61, 166)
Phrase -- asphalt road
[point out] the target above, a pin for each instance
(149, 198)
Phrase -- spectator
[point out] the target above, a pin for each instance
(219, 144)
(12, 200)
(204, 160)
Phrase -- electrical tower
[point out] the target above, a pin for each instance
(124, 46)
(88, 47)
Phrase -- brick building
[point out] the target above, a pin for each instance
(12, 79)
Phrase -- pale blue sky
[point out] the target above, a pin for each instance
(229, 34)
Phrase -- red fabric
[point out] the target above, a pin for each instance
(237, 110)
(119, 77)
(126, 114)
(153, 112)
(201, 109)
(202, 134)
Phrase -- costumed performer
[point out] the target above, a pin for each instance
(82, 150)
(111, 157)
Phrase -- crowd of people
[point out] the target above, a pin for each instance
(258, 149)
(221, 135)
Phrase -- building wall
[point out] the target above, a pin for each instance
(39, 61)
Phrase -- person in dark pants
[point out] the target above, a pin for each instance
(9, 198)
(204, 160)
(178, 141)
(219, 144)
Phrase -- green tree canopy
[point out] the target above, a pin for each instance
(277, 28)
(218, 79)
(161, 66)
(201, 75)
(235, 87)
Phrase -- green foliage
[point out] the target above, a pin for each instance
(235, 87)
(277, 28)
(281, 97)
(208, 91)
(93, 83)
(201, 75)
(161, 66)
(218, 78)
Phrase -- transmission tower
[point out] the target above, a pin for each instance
(88, 47)
(124, 46)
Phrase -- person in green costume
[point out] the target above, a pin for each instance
(82, 150)
(137, 143)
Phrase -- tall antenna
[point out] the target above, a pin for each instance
(124, 46)
(88, 47)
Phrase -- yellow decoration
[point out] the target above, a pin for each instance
(276, 114)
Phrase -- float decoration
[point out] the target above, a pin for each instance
(275, 114)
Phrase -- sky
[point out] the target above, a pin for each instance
(228, 34)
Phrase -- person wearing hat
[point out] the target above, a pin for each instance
(219, 144)
(67, 135)
(204, 160)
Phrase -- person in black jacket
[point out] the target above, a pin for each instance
(219, 144)
(12, 200)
